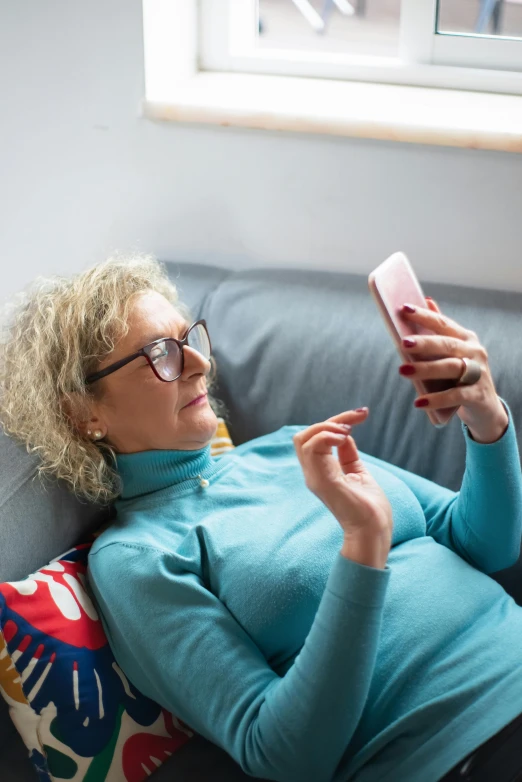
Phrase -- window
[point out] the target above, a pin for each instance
(462, 44)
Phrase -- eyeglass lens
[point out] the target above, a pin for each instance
(166, 356)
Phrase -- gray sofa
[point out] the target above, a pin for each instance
(292, 347)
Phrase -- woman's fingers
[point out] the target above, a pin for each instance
(349, 458)
(320, 438)
(446, 368)
(351, 416)
(333, 424)
(316, 442)
(323, 442)
(435, 320)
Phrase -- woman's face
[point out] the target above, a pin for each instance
(138, 412)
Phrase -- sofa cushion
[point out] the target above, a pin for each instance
(73, 706)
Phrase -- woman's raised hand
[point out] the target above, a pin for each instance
(343, 484)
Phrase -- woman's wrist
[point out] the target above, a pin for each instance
(492, 430)
(369, 550)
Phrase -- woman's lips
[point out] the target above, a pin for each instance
(197, 401)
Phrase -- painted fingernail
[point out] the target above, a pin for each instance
(409, 343)
(361, 409)
(347, 427)
(428, 297)
(421, 402)
(408, 308)
(407, 369)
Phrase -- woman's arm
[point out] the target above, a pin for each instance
(483, 522)
(181, 646)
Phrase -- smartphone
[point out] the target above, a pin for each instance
(392, 284)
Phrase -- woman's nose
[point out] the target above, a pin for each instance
(194, 361)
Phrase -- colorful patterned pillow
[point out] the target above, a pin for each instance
(77, 713)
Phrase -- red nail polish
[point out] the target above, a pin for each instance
(421, 402)
(408, 308)
(409, 343)
(407, 369)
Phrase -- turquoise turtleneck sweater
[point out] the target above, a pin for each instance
(231, 606)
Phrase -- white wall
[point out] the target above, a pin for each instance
(82, 174)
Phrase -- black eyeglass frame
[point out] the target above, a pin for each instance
(145, 351)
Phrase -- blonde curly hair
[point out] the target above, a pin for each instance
(52, 337)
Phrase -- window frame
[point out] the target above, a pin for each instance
(471, 50)
(178, 90)
(227, 37)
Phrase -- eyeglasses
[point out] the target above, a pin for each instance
(165, 355)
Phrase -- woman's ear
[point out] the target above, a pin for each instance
(76, 413)
(67, 406)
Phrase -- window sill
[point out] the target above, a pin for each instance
(418, 115)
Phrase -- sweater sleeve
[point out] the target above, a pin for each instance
(179, 644)
(483, 521)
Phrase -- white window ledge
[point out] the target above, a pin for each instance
(418, 115)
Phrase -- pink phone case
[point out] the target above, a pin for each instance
(392, 284)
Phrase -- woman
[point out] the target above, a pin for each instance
(319, 617)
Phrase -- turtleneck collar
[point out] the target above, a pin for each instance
(149, 471)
